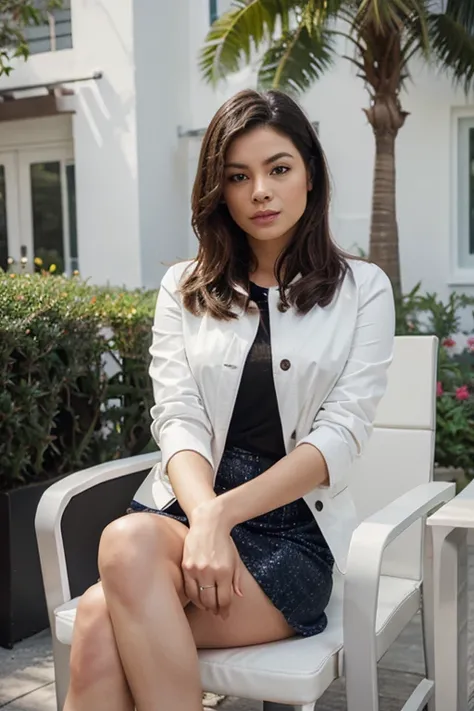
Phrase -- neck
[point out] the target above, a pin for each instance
(266, 255)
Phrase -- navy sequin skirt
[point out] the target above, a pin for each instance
(284, 550)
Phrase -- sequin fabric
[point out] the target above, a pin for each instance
(284, 549)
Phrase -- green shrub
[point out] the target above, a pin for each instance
(426, 314)
(74, 388)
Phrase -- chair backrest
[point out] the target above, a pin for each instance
(400, 453)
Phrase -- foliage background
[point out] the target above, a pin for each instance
(74, 384)
(74, 387)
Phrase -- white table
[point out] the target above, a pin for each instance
(449, 527)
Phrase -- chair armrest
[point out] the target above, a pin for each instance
(71, 516)
(362, 579)
(458, 512)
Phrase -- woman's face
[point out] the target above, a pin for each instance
(266, 185)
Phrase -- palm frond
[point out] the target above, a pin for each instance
(416, 39)
(454, 49)
(462, 11)
(390, 13)
(297, 59)
(244, 27)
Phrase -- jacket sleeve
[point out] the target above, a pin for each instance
(345, 420)
(179, 419)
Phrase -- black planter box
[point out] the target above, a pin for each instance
(22, 602)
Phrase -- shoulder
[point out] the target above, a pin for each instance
(368, 278)
(372, 291)
(175, 275)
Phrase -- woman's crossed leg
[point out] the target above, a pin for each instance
(134, 643)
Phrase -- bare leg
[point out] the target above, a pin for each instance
(134, 639)
(253, 619)
(140, 566)
(97, 678)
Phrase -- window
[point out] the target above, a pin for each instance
(71, 197)
(3, 221)
(53, 201)
(55, 34)
(465, 193)
(213, 12)
(47, 208)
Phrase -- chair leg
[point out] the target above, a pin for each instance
(61, 653)
(427, 612)
(450, 619)
(270, 706)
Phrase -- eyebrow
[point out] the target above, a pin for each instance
(267, 161)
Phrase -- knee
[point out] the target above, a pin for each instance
(130, 549)
(93, 654)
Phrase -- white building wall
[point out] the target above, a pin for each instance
(161, 34)
(105, 140)
(104, 133)
(134, 175)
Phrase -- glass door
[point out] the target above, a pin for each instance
(38, 210)
(48, 209)
(10, 240)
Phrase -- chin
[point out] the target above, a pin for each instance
(265, 234)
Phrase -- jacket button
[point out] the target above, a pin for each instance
(318, 505)
(285, 364)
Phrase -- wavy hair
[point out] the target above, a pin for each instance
(224, 258)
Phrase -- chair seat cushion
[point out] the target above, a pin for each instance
(293, 671)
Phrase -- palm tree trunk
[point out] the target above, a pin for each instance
(386, 118)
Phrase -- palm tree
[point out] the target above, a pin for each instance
(299, 42)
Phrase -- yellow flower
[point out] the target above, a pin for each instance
(52, 268)
(75, 272)
(12, 276)
(38, 261)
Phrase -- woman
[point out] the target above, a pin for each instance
(269, 357)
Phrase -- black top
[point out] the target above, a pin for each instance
(256, 424)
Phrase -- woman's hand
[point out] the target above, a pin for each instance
(211, 564)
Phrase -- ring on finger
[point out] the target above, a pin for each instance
(207, 587)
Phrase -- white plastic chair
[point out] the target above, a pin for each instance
(369, 608)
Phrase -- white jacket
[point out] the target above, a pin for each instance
(330, 371)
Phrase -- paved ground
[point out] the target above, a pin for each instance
(27, 680)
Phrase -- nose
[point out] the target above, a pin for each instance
(261, 192)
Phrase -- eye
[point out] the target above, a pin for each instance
(237, 178)
(280, 169)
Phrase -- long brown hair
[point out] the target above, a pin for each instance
(224, 257)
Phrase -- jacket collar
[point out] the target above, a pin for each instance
(241, 290)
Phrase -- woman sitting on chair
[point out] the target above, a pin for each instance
(270, 353)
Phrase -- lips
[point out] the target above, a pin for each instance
(264, 218)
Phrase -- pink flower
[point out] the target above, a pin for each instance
(470, 343)
(439, 389)
(462, 393)
(449, 343)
